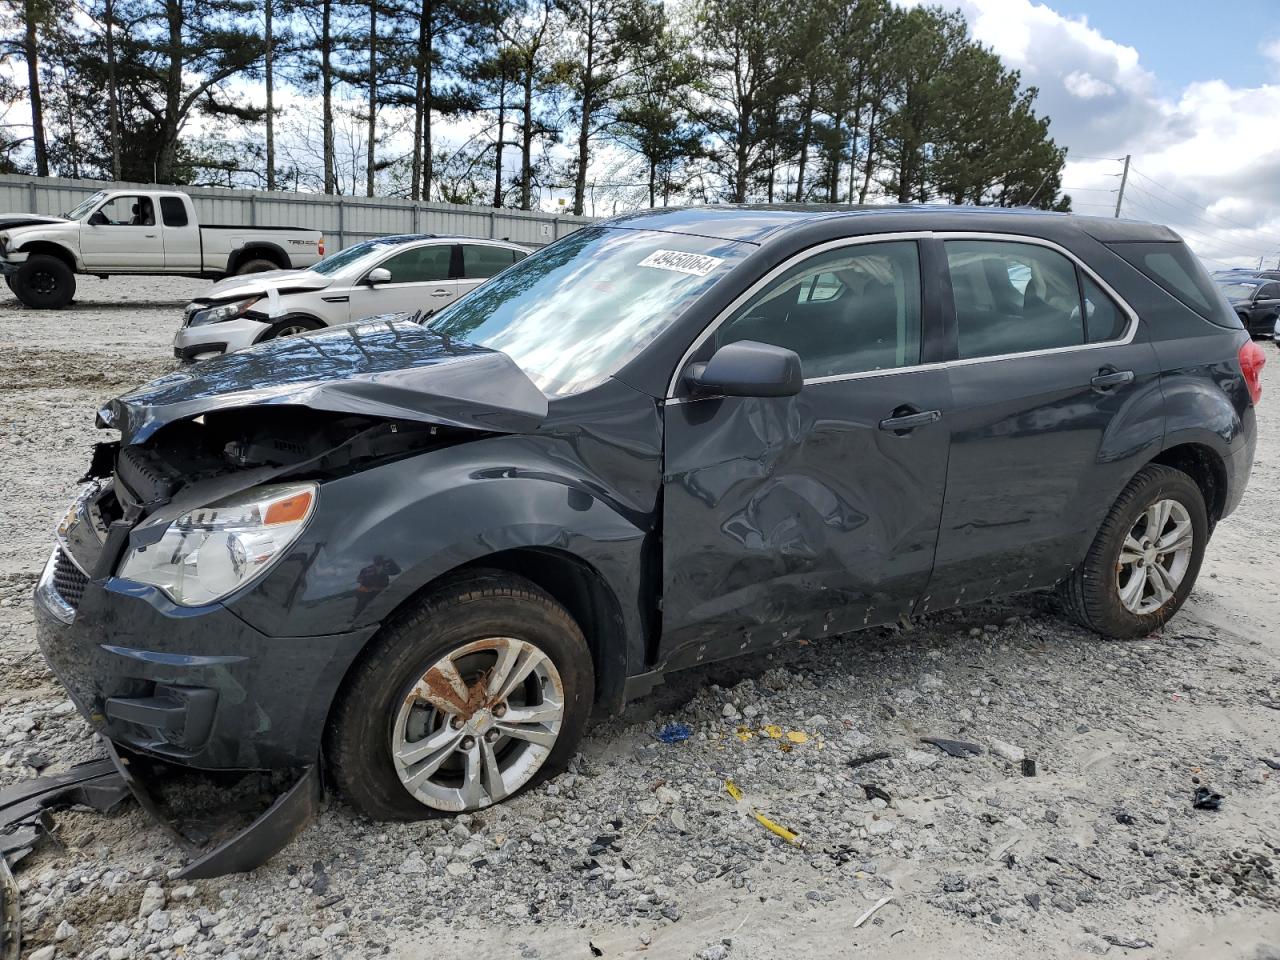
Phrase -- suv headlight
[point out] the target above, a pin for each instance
(207, 553)
(222, 312)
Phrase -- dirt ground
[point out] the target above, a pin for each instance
(640, 851)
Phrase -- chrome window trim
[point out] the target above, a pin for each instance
(1130, 332)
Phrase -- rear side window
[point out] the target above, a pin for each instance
(1175, 269)
(1103, 318)
(480, 262)
(1270, 292)
(174, 211)
(1012, 298)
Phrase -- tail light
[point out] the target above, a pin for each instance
(1252, 360)
(321, 246)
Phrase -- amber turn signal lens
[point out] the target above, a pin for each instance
(289, 510)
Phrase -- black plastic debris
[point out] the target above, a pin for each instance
(1273, 764)
(1206, 799)
(954, 748)
(869, 758)
(875, 793)
(25, 817)
(1028, 767)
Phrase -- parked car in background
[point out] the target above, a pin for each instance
(1256, 300)
(138, 232)
(401, 274)
(425, 550)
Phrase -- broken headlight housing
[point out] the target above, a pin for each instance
(222, 312)
(209, 552)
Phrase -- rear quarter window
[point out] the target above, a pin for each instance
(1174, 268)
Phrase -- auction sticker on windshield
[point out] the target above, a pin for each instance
(697, 264)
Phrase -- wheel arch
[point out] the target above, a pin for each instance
(52, 249)
(259, 249)
(277, 322)
(1206, 467)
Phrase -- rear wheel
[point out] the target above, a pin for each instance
(44, 282)
(480, 691)
(1145, 559)
(256, 265)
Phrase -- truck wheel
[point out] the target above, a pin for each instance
(476, 693)
(1145, 559)
(291, 326)
(256, 265)
(44, 282)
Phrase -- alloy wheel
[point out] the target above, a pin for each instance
(478, 725)
(291, 330)
(1154, 557)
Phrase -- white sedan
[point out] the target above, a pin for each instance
(403, 274)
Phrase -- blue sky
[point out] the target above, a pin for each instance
(1182, 41)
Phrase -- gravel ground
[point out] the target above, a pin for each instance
(641, 849)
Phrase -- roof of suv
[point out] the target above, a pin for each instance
(757, 222)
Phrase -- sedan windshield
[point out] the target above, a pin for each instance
(573, 313)
(84, 206)
(331, 264)
(1239, 291)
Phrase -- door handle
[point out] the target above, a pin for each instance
(1109, 377)
(908, 418)
(149, 236)
(439, 293)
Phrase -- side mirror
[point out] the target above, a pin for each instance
(98, 219)
(378, 275)
(747, 369)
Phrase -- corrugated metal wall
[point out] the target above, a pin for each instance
(344, 220)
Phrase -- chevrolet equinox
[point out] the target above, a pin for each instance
(425, 549)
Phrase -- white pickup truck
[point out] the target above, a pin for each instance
(137, 232)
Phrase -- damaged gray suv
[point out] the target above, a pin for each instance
(425, 551)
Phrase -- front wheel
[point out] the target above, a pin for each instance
(1145, 559)
(44, 282)
(478, 692)
(290, 327)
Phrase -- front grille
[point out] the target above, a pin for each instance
(68, 581)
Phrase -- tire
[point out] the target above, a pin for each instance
(291, 326)
(1094, 594)
(256, 265)
(378, 696)
(44, 282)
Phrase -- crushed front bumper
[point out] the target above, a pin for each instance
(11, 262)
(214, 339)
(195, 686)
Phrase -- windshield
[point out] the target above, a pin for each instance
(331, 264)
(1239, 291)
(84, 206)
(573, 313)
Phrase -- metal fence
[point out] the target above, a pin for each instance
(343, 220)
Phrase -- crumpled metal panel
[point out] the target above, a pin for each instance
(393, 369)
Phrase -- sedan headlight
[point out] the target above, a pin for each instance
(209, 552)
(222, 312)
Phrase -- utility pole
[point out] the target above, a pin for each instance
(1124, 179)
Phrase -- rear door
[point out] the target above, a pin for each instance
(808, 515)
(1266, 309)
(181, 235)
(1048, 357)
(420, 280)
(480, 261)
(123, 234)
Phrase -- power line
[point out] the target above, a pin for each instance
(1197, 237)
(1226, 222)
(1215, 236)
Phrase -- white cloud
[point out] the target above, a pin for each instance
(1201, 160)
(1086, 86)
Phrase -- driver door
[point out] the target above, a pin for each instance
(420, 280)
(805, 516)
(122, 234)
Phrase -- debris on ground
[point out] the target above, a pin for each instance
(1206, 799)
(1127, 943)
(871, 912)
(675, 733)
(954, 748)
(869, 758)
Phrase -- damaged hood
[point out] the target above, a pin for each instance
(262, 284)
(394, 369)
(10, 220)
